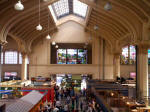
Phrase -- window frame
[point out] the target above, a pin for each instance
(129, 56)
(77, 49)
(6, 59)
(70, 8)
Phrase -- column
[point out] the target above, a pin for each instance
(96, 56)
(0, 64)
(116, 65)
(24, 67)
(142, 72)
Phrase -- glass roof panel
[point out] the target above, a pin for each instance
(61, 8)
(79, 8)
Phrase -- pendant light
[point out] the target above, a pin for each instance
(56, 46)
(19, 6)
(53, 43)
(48, 36)
(39, 27)
(96, 27)
(108, 6)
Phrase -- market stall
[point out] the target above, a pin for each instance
(28, 103)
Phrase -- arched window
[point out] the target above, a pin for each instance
(128, 55)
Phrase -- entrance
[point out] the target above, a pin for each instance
(77, 81)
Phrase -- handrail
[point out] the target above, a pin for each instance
(102, 102)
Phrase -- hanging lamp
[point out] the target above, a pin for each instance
(56, 46)
(108, 6)
(39, 27)
(19, 6)
(48, 36)
(53, 43)
(96, 27)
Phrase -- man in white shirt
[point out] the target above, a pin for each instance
(55, 109)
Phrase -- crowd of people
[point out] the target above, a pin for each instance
(69, 100)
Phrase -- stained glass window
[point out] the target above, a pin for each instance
(132, 59)
(11, 57)
(125, 55)
(148, 56)
(79, 8)
(71, 56)
(128, 55)
(61, 56)
(82, 56)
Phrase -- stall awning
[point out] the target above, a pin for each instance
(26, 103)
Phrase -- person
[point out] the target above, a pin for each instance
(123, 80)
(68, 99)
(77, 100)
(66, 108)
(49, 108)
(81, 105)
(89, 108)
(58, 104)
(55, 109)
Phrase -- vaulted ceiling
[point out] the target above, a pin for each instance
(127, 22)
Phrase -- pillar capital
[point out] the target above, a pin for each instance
(117, 55)
(3, 42)
(24, 54)
(143, 47)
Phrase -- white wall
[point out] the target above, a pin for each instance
(69, 32)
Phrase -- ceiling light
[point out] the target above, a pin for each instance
(108, 6)
(48, 37)
(19, 6)
(39, 27)
(96, 27)
(53, 43)
(56, 46)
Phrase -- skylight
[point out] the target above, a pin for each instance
(79, 8)
(61, 8)
(65, 7)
